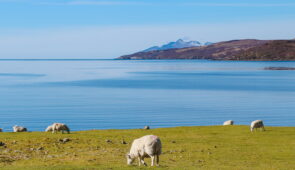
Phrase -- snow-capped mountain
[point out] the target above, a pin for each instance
(208, 43)
(177, 44)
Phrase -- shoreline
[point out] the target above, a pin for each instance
(151, 128)
(118, 59)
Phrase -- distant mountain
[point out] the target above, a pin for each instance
(247, 49)
(177, 44)
(208, 43)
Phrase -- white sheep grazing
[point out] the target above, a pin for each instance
(19, 129)
(257, 124)
(144, 147)
(49, 129)
(229, 122)
(56, 127)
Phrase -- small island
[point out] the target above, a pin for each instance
(279, 68)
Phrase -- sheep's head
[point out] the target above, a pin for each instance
(130, 159)
(49, 129)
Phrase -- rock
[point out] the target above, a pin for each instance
(65, 140)
(108, 141)
(50, 156)
(123, 142)
(146, 128)
(40, 148)
(172, 151)
(2, 144)
(173, 141)
(7, 150)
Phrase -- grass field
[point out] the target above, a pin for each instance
(207, 147)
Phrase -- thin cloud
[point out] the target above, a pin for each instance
(110, 3)
(104, 3)
(77, 2)
(120, 3)
(241, 4)
(98, 3)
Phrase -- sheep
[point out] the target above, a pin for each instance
(146, 146)
(19, 129)
(257, 124)
(56, 127)
(229, 122)
(49, 129)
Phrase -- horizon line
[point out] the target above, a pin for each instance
(3, 59)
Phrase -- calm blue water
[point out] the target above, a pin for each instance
(104, 94)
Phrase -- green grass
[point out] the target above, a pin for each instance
(208, 147)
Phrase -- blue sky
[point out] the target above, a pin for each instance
(107, 29)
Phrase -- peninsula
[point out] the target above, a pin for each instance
(246, 49)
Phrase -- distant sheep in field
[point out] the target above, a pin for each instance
(56, 127)
(257, 124)
(144, 147)
(19, 129)
(229, 122)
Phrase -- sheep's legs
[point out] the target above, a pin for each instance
(153, 160)
(139, 161)
(158, 160)
(263, 129)
(142, 161)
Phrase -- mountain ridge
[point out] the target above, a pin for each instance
(180, 43)
(245, 49)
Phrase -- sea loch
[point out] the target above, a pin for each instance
(125, 94)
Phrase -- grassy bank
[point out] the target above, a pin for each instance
(211, 147)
